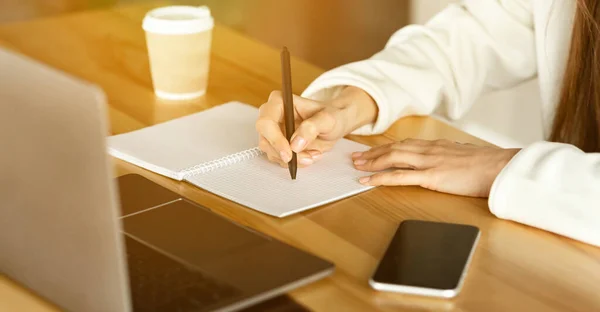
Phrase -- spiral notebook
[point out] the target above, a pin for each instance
(216, 150)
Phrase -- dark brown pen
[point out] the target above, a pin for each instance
(288, 106)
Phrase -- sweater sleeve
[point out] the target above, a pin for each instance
(552, 186)
(441, 67)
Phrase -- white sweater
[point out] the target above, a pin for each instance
(466, 50)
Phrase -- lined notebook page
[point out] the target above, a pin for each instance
(172, 146)
(268, 188)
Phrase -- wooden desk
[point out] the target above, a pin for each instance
(514, 268)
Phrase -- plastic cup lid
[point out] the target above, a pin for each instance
(178, 20)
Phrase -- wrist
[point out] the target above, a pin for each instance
(510, 154)
(507, 156)
(357, 106)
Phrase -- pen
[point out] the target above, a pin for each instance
(288, 106)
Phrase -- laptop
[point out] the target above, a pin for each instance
(85, 241)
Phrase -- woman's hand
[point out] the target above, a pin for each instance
(444, 166)
(318, 124)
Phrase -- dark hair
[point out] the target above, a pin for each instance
(577, 118)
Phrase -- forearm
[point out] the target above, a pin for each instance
(551, 186)
(422, 69)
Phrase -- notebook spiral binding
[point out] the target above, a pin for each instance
(222, 162)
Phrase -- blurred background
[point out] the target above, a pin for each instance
(329, 33)
(326, 33)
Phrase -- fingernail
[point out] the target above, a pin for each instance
(364, 180)
(356, 154)
(315, 154)
(359, 162)
(306, 161)
(285, 156)
(298, 144)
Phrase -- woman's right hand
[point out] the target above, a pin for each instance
(318, 124)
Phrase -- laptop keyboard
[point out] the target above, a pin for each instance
(159, 283)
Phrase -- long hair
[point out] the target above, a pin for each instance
(577, 118)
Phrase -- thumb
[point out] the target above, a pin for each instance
(322, 122)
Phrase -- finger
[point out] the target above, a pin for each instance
(297, 122)
(304, 108)
(409, 145)
(413, 145)
(374, 152)
(395, 159)
(266, 147)
(320, 145)
(314, 154)
(427, 147)
(396, 177)
(270, 130)
(277, 161)
(443, 142)
(272, 154)
(422, 147)
(273, 108)
(416, 141)
(320, 123)
(269, 125)
(304, 158)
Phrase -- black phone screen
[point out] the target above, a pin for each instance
(427, 254)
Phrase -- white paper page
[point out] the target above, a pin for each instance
(177, 144)
(267, 187)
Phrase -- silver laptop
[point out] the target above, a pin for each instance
(85, 241)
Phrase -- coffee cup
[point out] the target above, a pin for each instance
(179, 41)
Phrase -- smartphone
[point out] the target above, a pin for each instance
(426, 258)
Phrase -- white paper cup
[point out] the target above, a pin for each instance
(179, 42)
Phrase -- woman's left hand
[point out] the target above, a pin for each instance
(444, 166)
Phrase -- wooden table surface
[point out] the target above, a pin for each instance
(515, 267)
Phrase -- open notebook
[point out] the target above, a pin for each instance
(216, 150)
